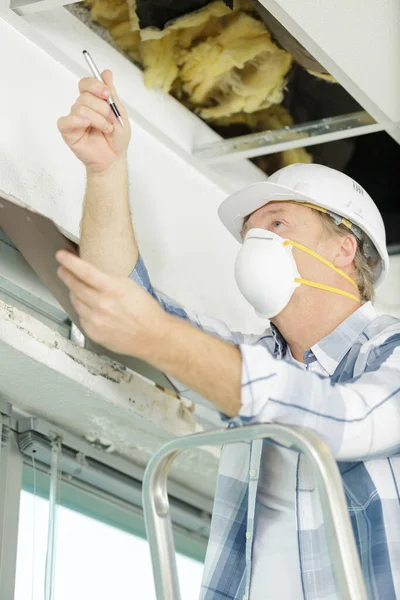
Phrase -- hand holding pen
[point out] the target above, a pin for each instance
(96, 73)
(97, 130)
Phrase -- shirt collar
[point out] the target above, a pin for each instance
(331, 349)
(280, 342)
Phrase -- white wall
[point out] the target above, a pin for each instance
(387, 299)
(174, 197)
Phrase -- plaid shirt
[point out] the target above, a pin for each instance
(354, 408)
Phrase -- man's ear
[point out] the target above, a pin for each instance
(346, 252)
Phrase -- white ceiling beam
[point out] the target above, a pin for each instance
(29, 7)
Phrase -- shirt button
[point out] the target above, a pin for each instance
(253, 473)
(248, 535)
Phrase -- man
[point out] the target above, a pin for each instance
(313, 250)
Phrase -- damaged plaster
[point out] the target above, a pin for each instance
(46, 375)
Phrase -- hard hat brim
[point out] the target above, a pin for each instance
(246, 201)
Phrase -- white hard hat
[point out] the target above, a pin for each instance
(336, 193)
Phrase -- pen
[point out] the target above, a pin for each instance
(96, 73)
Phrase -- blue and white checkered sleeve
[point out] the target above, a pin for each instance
(357, 420)
(208, 324)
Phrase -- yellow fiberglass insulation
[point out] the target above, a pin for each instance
(258, 85)
(197, 19)
(108, 12)
(159, 58)
(160, 50)
(239, 70)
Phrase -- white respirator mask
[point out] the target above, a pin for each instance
(266, 272)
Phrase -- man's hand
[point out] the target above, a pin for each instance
(119, 314)
(114, 311)
(91, 130)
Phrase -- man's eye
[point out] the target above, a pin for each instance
(277, 224)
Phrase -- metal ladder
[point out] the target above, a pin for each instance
(341, 543)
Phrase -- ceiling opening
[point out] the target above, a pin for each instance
(234, 65)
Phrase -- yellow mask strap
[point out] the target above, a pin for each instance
(327, 288)
(321, 259)
(327, 263)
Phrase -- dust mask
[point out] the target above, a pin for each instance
(266, 272)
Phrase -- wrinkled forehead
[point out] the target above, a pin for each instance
(277, 208)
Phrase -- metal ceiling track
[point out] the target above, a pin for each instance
(115, 475)
(297, 136)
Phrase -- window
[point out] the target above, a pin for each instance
(93, 561)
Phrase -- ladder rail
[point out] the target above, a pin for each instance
(340, 538)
